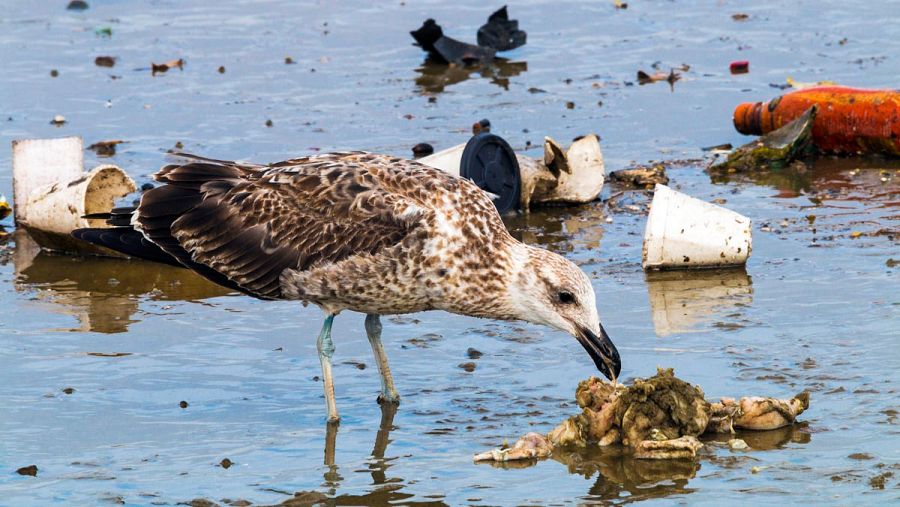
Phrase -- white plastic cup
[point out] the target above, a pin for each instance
(683, 232)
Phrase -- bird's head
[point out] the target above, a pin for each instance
(550, 290)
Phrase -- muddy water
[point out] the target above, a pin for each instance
(98, 354)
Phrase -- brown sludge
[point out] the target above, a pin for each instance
(655, 418)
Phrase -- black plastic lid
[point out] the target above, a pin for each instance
(491, 164)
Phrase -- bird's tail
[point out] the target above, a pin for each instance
(122, 237)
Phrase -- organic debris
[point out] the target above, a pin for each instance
(775, 150)
(655, 418)
(105, 148)
(500, 32)
(164, 67)
(645, 78)
(103, 31)
(105, 61)
(740, 17)
(31, 470)
(641, 176)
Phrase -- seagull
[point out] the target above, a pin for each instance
(356, 231)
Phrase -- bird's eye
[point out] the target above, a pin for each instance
(566, 297)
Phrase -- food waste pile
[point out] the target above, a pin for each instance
(655, 418)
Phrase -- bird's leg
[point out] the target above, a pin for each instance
(326, 350)
(373, 330)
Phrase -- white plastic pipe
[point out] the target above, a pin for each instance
(683, 232)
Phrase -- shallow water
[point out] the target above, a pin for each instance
(816, 308)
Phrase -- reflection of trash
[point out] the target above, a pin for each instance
(775, 150)
(849, 120)
(436, 75)
(641, 176)
(101, 294)
(572, 176)
(53, 193)
(681, 301)
(683, 232)
(498, 34)
(656, 418)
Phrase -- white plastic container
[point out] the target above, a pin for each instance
(683, 232)
(52, 192)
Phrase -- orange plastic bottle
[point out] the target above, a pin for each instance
(849, 120)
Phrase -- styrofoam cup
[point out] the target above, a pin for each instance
(684, 232)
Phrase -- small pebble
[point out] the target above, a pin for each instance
(221, 69)
(288, 60)
(473, 353)
(570, 105)
(31, 470)
(269, 123)
(68, 390)
(226, 463)
(183, 404)
(736, 444)
(54, 73)
(469, 367)
(77, 5)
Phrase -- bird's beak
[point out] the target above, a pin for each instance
(601, 350)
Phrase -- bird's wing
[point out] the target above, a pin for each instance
(247, 224)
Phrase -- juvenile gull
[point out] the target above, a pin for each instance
(355, 231)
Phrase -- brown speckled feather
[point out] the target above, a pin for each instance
(339, 230)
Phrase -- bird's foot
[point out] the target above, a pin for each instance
(392, 398)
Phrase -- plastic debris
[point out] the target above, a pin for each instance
(739, 67)
(500, 32)
(849, 120)
(53, 193)
(58, 120)
(683, 232)
(776, 149)
(575, 175)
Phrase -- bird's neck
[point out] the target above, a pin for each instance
(492, 288)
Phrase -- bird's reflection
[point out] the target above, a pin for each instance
(434, 76)
(682, 301)
(101, 293)
(386, 490)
